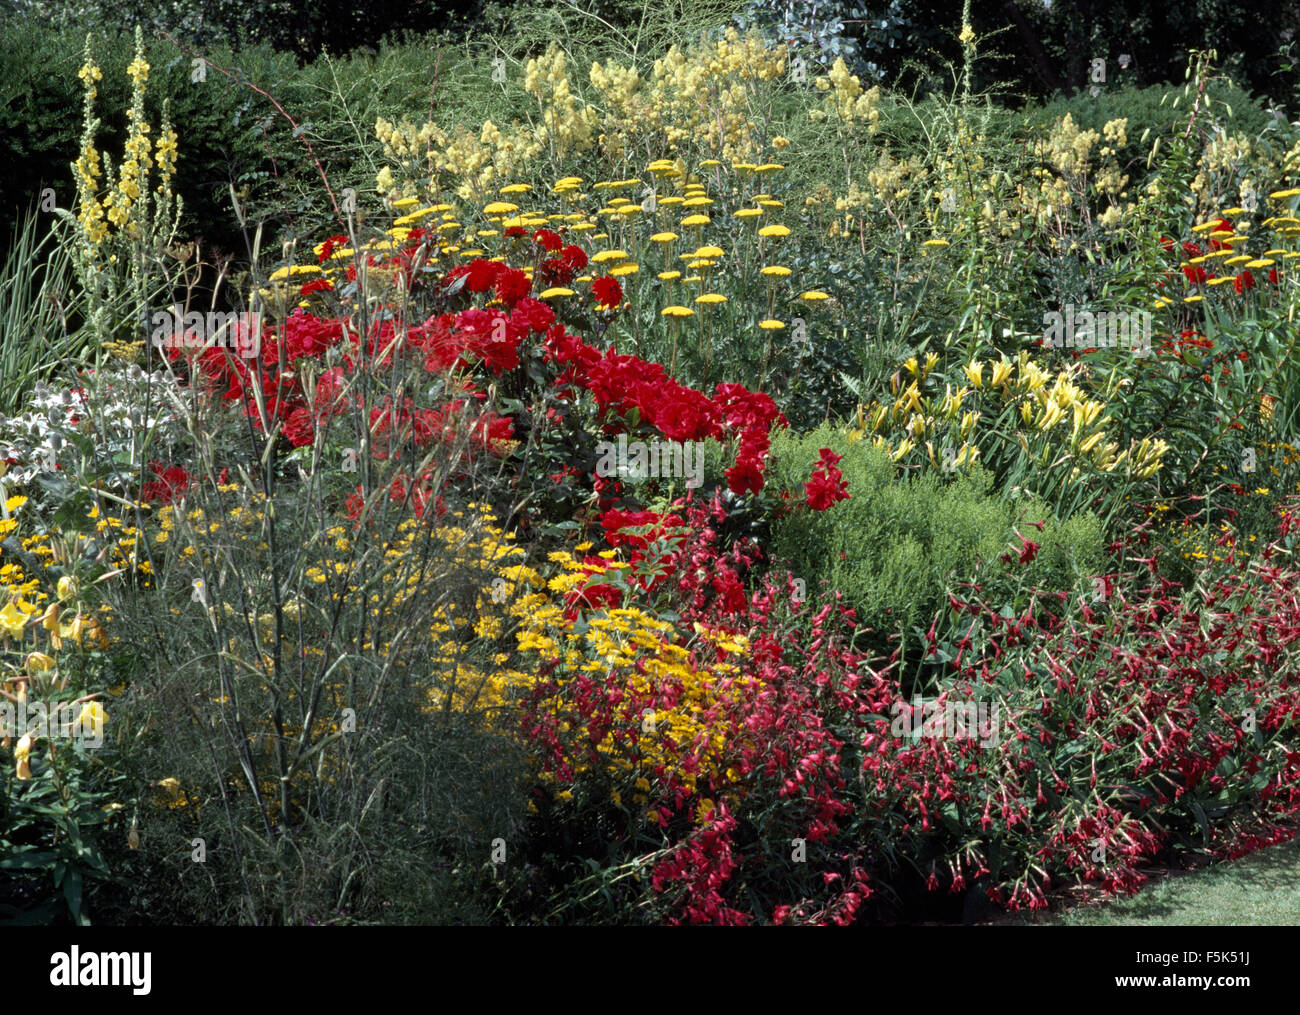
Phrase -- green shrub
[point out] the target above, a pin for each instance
(896, 544)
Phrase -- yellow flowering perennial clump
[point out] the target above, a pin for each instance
(695, 100)
(655, 709)
(1057, 423)
(121, 211)
(846, 101)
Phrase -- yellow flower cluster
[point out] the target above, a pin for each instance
(669, 699)
(702, 95)
(567, 126)
(1049, 408)
(846, 101)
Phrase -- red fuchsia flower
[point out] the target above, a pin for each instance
(607, 291)
(827, 485)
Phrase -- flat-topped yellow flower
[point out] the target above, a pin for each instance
(676, 311)
(935, 243)
(814, 296)
(771, 325)
(609, 255)
(774, 230)
(405, 202)
(668, 276)
(711, 298)
(516, 188)
(708, 251)
(747, 213)
(625, 269)
(775, 271)
(663, 237)
(1279, 195)
(500, 208)
(556, 292)
(696, 220)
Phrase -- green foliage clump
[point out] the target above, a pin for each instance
(897, 544)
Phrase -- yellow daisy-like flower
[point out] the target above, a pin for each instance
(747, 213)
(696, 220)
(711, 298)
(775, 271)
(774, 230)
(771, 325)
(500, 208)
(663, 237)
(625, 269)
(676, 311)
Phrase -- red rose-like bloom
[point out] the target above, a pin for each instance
(170, 484)
(316, 285)
(575, 256)
(607, 291)
(512, 285)
(547, 239)
(826, 486)
(298, 428)
(328, 247)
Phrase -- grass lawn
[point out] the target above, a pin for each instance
(1262, 889)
